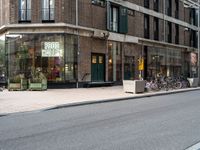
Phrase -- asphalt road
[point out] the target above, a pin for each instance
(169, 122)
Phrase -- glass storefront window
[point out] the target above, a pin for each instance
(71, 58)
(50, 53)
(2, 60)
(165, 62)
(129, 67)
(114, 61)
(193, 59)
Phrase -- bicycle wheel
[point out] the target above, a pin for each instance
(154, 87)
(178, 85)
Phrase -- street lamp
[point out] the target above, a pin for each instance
(196, 5)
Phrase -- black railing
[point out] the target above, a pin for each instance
(25, 15)
(48, 14)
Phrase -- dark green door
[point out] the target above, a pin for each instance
(98, 67)
(129, 68)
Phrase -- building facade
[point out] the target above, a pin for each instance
(74, 42)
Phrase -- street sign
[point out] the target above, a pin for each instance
(141, 64)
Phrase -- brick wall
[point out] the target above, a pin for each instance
(87, 46)
(69, 15)
(94, 16)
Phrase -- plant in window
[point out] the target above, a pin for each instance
(17, 82)
(38, 81)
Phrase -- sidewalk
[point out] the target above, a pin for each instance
(22, 101)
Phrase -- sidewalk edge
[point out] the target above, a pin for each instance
(102, 101)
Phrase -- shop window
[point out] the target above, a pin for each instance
(114, 61)
(117, 18)
(2, 61)
(99, 2)
(24, 10)
(165, 62)
(129, 67)
(71, 58)
(48, 10)
(29, 52)
(42, 52)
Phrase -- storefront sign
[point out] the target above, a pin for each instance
(51, 49)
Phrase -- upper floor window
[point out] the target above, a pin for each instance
(114, 18)
(169, 32)
(117, 18)
(168, 5)
(146, 26)
(193, 38)
(24, 10)
(177, 9)
(194, 16)
(99, 2)
(156, 28)
(48, 10)
(146, 3)
(177, 34)
(156, 5)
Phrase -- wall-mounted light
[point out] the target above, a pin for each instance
(110, 61)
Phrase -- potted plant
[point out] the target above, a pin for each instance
(17, 82)
(38, 82)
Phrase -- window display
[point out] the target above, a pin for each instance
(29, 52)
(165, 62)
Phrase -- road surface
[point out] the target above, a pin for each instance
(170, 122)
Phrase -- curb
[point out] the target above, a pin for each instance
(103, 101)
(118, 99)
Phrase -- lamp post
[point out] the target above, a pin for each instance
(196, 5)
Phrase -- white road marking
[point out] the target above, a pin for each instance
(194, 147)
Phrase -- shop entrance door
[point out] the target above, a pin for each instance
(98, 67)
(129, 68)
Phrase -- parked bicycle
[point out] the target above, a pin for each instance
(167, 83)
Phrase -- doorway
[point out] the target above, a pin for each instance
(97, 67)
(129, 67)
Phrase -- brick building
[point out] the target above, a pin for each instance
(81, 41)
